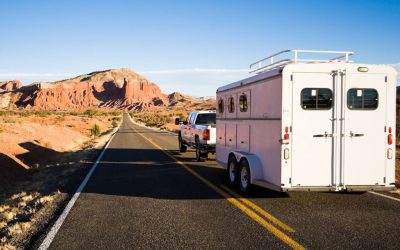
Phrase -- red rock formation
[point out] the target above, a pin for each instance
(113, 89)
(10, 85)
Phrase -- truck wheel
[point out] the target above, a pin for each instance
(182, 147)
(199, 155)
(244, 177)
(232, 171)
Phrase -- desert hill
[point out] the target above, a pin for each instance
(109, 89)
(10, 85)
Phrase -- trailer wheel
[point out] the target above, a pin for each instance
(244, 176)
(200, 156)
(182, 147)
(232, 171)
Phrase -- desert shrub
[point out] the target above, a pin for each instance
(95, 130)
(114, 123)
(1, 130)
(116, 118)
(92, 112)
(114, 113)
(42, 113)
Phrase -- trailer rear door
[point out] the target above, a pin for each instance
(312, 142)
(364, 129)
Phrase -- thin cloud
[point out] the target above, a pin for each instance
(36, 74)
(194, 70)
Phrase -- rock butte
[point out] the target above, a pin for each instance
(109, 89)
(10, 85)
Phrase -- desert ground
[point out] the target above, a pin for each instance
(43, 158)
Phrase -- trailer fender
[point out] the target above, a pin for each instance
(256, 170)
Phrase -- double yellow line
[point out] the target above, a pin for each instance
(242, 203)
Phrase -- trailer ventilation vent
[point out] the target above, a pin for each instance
(285, 57)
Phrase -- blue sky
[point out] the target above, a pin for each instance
(187, 46)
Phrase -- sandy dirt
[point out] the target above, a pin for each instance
(42, 161)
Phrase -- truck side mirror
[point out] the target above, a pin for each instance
(177, 121)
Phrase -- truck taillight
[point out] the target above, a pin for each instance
(206, 134)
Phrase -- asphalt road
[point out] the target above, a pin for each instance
(144, 194)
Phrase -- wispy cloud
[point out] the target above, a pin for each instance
(194, 70)
(7, 75)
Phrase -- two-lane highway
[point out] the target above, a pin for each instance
(145, 194)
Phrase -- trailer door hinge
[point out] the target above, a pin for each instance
(385, 78)
(290, 180)
(291, 78)
(384, 179)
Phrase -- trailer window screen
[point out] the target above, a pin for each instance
(243, 103)
(221, 106)
(231, 105)
(362, 99)
(316, 99)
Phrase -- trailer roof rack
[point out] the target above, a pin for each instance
(293, 56)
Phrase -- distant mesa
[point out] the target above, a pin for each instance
(10, 85)
(108, 89)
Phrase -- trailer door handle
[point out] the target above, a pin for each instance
(323, 135)
(355, 135)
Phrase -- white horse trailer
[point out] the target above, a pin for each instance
(303, 124)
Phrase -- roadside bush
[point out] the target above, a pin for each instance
(95, 130)
(92, 112)
(1, 130)
(114, 123)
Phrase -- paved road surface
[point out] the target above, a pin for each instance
(141, 197)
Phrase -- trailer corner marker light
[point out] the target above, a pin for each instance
(390, 130)
(286, 154)
(362, 69)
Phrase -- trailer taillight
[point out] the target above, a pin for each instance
(286, 137)
(390, 139)
(390, 136)
(206, 134)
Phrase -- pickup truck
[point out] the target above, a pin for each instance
(198, 132)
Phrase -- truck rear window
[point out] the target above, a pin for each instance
(362, 99)
(316, 99)
(207, 119)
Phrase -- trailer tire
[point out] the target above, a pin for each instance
(244, 177)
(232, 171)
(182, 147)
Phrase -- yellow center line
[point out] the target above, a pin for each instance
(259, 210)
(268, 226)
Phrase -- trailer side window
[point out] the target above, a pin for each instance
(221, 106)
(231, 105)
(316, 99)
(362, 99)
(243, 103)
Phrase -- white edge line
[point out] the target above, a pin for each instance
(57, 225)
(385, 196)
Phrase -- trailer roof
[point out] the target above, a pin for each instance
(251, 79)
